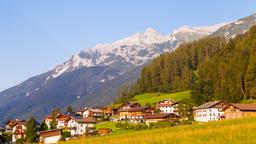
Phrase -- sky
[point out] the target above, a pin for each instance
(37, 35)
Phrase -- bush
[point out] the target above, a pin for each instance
(20, 141)
(7, 136)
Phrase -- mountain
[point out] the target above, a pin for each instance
(237, 27)
(93, 76)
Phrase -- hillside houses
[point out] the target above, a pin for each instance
(217, 110)
(164, 111)
(135, 114)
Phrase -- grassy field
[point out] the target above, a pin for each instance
(106, 124)
(156, 97)
(240, 131)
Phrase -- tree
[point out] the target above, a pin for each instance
(70, 110)
(31, 132)
(53, 123)
(20, 141)
(43, 126)
(251, 77)
(185, 108)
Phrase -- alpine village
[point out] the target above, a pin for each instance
(205, 88)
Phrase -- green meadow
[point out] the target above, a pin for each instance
(239, 131)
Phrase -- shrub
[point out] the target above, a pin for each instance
(20, 141)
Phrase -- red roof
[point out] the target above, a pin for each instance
(85, 120)
(50, 133)
(166, 104)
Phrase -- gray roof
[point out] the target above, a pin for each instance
(1, 128)
(208, 105)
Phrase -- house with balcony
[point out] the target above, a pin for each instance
(210, 111)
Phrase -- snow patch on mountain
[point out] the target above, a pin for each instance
(136, 49)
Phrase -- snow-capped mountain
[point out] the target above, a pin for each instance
(237, 27)
(136, 50)
(93, 76)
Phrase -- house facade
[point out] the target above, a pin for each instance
(134, 115)
(94, 113)
(211, 111)
(234, 111)
(50, 136)
(153, 118)
(167, 106)
(80, 126)
(61, 119)
(110, 111)
(19, 131)
(11, 123)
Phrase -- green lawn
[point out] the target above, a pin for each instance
(156, 97)
(239, 131)
(106, 124)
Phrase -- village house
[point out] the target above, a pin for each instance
(94, 113)
(153, 118)
(211, 111)
(80, 126)
(61, 119)
(50, 136)
(19, 131)
(127, 105)
(134, 115)
(11, 123)
(110, 111)
(235, 110)
(167, 106)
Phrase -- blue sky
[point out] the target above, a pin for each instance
(36, 35)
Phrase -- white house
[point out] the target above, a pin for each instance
(211, 111)
(19, 131)
(50, 136)
(168, 106)
(61, 120)
(80, 126)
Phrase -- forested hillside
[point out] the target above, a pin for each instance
(213, 68)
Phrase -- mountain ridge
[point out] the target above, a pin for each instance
(90, 77)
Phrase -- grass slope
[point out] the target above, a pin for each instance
(239, 131)
(156, 97)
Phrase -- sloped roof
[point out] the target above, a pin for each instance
(50, 133)
(1, 128)
(245, 107)
(96, 110)
(136, 109)
(85, 120)
(166, 104)
(208, 105)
